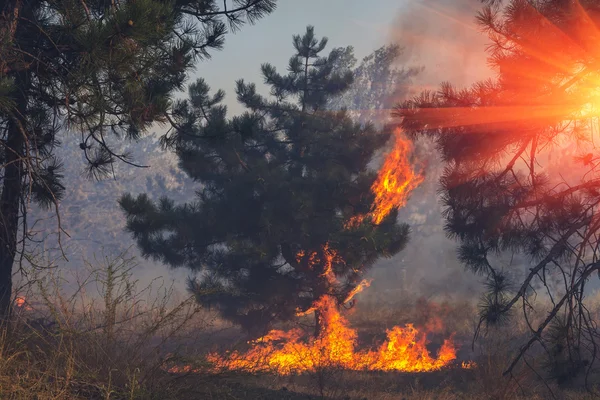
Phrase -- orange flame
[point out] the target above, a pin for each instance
(395, 181)
(286, 353)
(21, 303)
(358, 289)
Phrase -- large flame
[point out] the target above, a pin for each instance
(395, 181)
(285, 353)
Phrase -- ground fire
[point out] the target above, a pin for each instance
(286, 353)
(335, 346)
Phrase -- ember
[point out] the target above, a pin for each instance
(21, 303)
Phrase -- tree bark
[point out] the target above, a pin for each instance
(12, 178)
(9, 210)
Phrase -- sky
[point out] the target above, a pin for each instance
(439, 34)
(362, 24)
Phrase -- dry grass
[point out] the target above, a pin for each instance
(104, 338)
(98, 335)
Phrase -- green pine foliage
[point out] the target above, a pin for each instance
(105, 71)
(280, 179)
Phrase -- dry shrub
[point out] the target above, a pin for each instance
(99, 334)
(96, 337)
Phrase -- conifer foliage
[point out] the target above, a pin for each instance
(521, 189)
(277, 184)
(104, 70)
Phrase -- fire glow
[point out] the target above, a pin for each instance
(286, 353)
(21, 303)
(405, 348)
(395, 181)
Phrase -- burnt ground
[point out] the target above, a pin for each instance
(238, 387)
(345, 385)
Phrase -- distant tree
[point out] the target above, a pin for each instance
(278, 185)
(521, 189)
(378, 83)
(95, 203)
(105, 70)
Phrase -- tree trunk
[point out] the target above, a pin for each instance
(318, 323)
(13, 159)
(10, 198)
(9, 215)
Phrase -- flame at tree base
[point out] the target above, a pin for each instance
(285, 353)
(404, 350)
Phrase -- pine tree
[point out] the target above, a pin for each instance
(105, 70)
(278, 185)
(521, 189)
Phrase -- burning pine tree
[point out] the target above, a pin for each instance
(279, 185)
(289, 352)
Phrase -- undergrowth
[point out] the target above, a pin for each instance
(96, 336)
(100, 334)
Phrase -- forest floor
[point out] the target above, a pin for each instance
(367, 386)
(47, 363)
(115, 345)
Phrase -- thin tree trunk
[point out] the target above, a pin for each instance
(9, 214)
(318, 323)
(10, 198)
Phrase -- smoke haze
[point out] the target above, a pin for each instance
(441, 36)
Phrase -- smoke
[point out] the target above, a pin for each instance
(443, 37)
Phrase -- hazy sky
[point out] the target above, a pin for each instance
(439, 34)
(362, 24)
